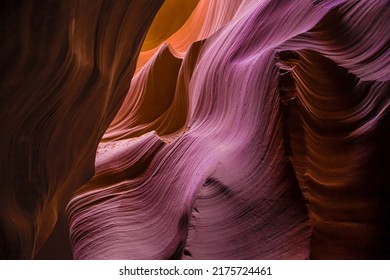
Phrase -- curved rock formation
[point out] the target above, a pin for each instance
(66, 68)
(338, 126)
(253, 129)
(207, 18)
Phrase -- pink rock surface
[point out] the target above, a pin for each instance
(257, 130)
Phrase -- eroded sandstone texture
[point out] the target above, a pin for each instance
(232, 129)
